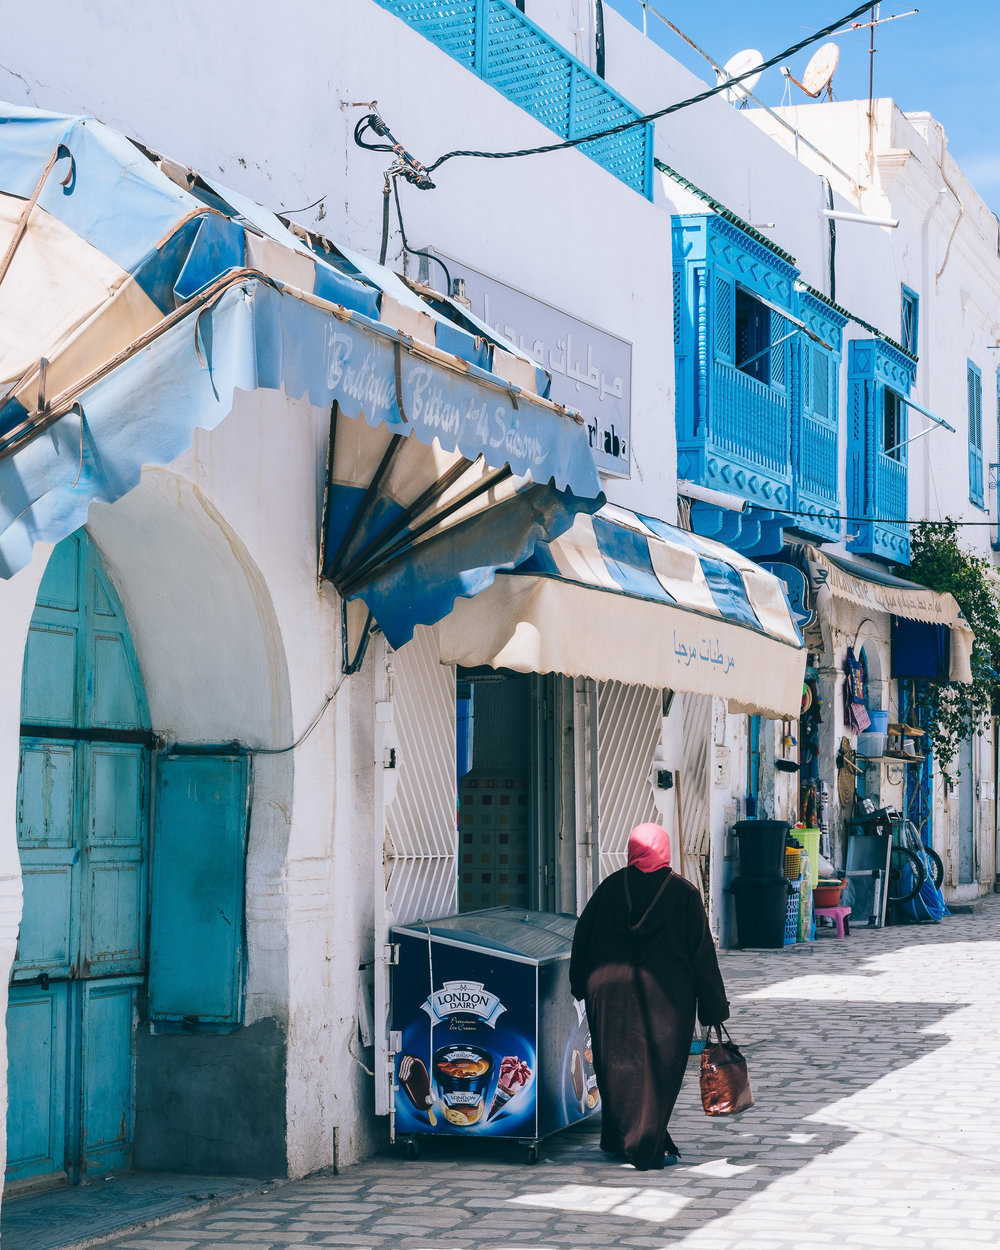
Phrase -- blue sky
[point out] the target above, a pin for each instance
(945, 60)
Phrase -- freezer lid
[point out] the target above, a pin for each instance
(538, 936)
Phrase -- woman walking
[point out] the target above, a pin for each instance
(643, 960)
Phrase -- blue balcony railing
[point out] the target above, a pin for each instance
(876, 481)
(750, 420)
(494, 40)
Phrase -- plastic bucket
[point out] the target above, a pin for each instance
(762, 847)
(761, 910)
(879, 721)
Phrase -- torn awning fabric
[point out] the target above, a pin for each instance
(634, 599)
(137, 300)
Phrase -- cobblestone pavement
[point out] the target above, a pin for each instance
(876, 1124)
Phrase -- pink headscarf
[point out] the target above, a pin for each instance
(649, 848)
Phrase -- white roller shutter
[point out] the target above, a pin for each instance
(416, 858)
(695, 786)
(421, 819)
(628, 731)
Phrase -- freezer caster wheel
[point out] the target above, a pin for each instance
(412, 1150)
(532, 1154)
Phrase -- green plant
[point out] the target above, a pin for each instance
(951, 711)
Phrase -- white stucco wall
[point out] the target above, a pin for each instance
(215, 558)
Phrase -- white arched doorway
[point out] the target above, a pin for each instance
(208, 687)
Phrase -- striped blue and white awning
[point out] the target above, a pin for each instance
(138, 299)
(630, 598)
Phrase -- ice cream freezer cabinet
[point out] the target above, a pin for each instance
(489, 1042)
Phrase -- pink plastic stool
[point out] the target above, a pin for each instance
(839, 917)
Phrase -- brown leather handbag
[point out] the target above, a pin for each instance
(725, 1082)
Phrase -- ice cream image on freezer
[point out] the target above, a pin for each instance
(513, 1074)
(462, 1075)
(576, 1073)
(415, 1080)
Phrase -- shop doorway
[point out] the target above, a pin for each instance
(83, 831)
(508, 791)
(966, 813)
(918, 786)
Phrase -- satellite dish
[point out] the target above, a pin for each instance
(748, 59)
(819, 71)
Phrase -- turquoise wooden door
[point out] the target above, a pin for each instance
(83, 830)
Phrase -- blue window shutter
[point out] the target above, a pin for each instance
(725, 311)
(778, 353)
(975, 385)
(196, 949)
(909, 319)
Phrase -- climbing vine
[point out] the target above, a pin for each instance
(951, 711)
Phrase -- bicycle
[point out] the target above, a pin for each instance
(907, 873)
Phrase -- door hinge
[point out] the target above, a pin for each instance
(390, 954)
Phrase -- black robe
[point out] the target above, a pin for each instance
(643, 957)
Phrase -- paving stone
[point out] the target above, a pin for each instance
(871, 1129)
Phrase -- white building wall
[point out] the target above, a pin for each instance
(215, 559)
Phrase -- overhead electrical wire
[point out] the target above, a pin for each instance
(419, 174)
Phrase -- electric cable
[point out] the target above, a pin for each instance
(374, 122)
(307, 207)
(415, 251)
(305, 733)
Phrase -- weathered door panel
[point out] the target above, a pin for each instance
(46, 799)
(37, 1058)
(114, 869)
(196, 956)
(82, 829)
(107, 1075)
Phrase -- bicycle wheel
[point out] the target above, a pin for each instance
(937, 864)
(906, 875)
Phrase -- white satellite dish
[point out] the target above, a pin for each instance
(741, 63)
(819, 71)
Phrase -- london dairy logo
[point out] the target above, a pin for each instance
(464, 998)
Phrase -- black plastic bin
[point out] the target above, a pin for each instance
(761, 910)
(762, 847)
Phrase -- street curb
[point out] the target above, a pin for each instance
(174, 1217)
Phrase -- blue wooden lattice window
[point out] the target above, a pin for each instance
(975, 393)
(494, 40)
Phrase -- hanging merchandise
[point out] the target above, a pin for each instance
(856, 715)
(847, 774)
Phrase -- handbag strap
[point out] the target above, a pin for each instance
(719, 1030)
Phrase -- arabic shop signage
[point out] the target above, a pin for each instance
(591, 369)
(700, 651)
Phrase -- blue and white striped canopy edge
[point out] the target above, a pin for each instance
(630, 598)
(137, 299)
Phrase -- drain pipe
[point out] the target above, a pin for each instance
(832, 223)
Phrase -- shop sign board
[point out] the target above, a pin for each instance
(591, 369)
